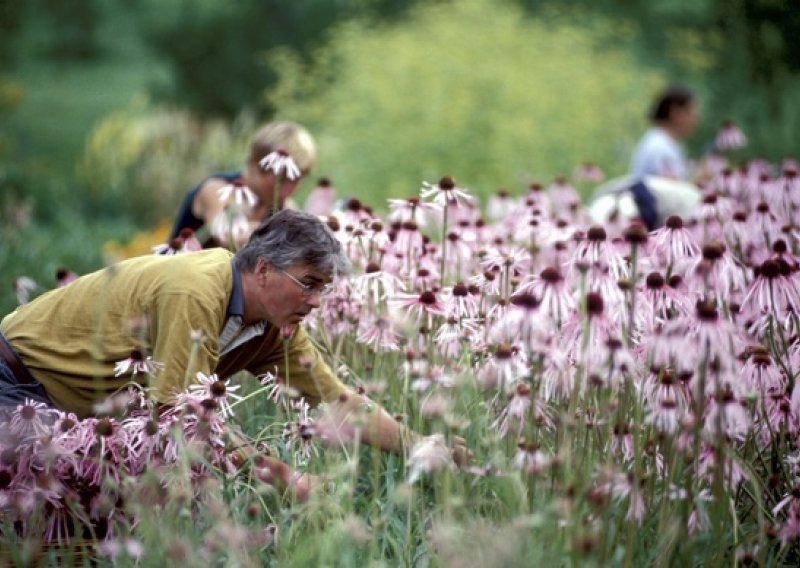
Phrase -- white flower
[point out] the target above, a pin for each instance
(445, 192)
(137, 363)
(280, 162)
(214, 388)
(429, 454)
(23, 287)
(231, 226)
(240, 194)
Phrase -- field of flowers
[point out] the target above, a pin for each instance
(630, 399)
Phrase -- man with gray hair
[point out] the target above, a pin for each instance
(204, 312)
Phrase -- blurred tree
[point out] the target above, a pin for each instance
(68, 28)
(470, 89)
(11, 12)
(744, 55)
(215, 46)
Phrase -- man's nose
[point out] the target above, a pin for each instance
(315, 299)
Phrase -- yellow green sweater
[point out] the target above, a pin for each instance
(70, 338)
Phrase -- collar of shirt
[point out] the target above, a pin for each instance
(234, 333)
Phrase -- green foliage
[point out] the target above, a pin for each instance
(69, 28)
(213, 46)
(37, 249)
(472, 89)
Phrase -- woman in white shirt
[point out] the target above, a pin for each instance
(656, 186)
(674, 117)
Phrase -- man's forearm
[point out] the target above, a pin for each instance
(377, 428)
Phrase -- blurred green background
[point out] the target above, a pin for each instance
(110, 110)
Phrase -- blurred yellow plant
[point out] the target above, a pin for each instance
(474, 89)
(142, 243)
(144, 159)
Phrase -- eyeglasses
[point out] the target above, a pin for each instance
(310, 289)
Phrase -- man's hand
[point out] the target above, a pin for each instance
(304, 484)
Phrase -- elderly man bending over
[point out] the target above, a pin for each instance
(209, 311)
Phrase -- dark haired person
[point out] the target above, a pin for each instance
(205, 312)
(203, 207)
(673, 117)
(657, 186)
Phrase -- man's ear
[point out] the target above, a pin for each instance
(262, 268)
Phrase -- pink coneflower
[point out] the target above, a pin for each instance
(673, 241)
(790, 530)
(521, 409)
(419, 306)
(759, 374)
(413, 209)
(379, 333)
(764, 224)
(531, 459)
(458, 302)
(563, 197)
(503, 368)
(281, 164)
(459, 255)
(662, 301)
(453, 335)
(375, 285)
(65, 276)
(147, 435)
(110, 441)
(774, 291)
(121, 402)
(621, 486)
(729, 137)
(335, 428)
(276, 387)
(512, 261)
(445, 192)
(713, 210)
(500, 205)
(558, 376)
(789, 182)
(716, 270)
(213, 388)
(321, 199)
(596, 248)
(137, 363)
(487, 283)
(622, 441)
(300, 432)
(353, 213)
(732, 472)
(407, 240)
(523, 322)
(714, 164)
(31, 419)
(588, 172)
(726, 417)
(667, 400)
(600, 279)
(553, 292)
